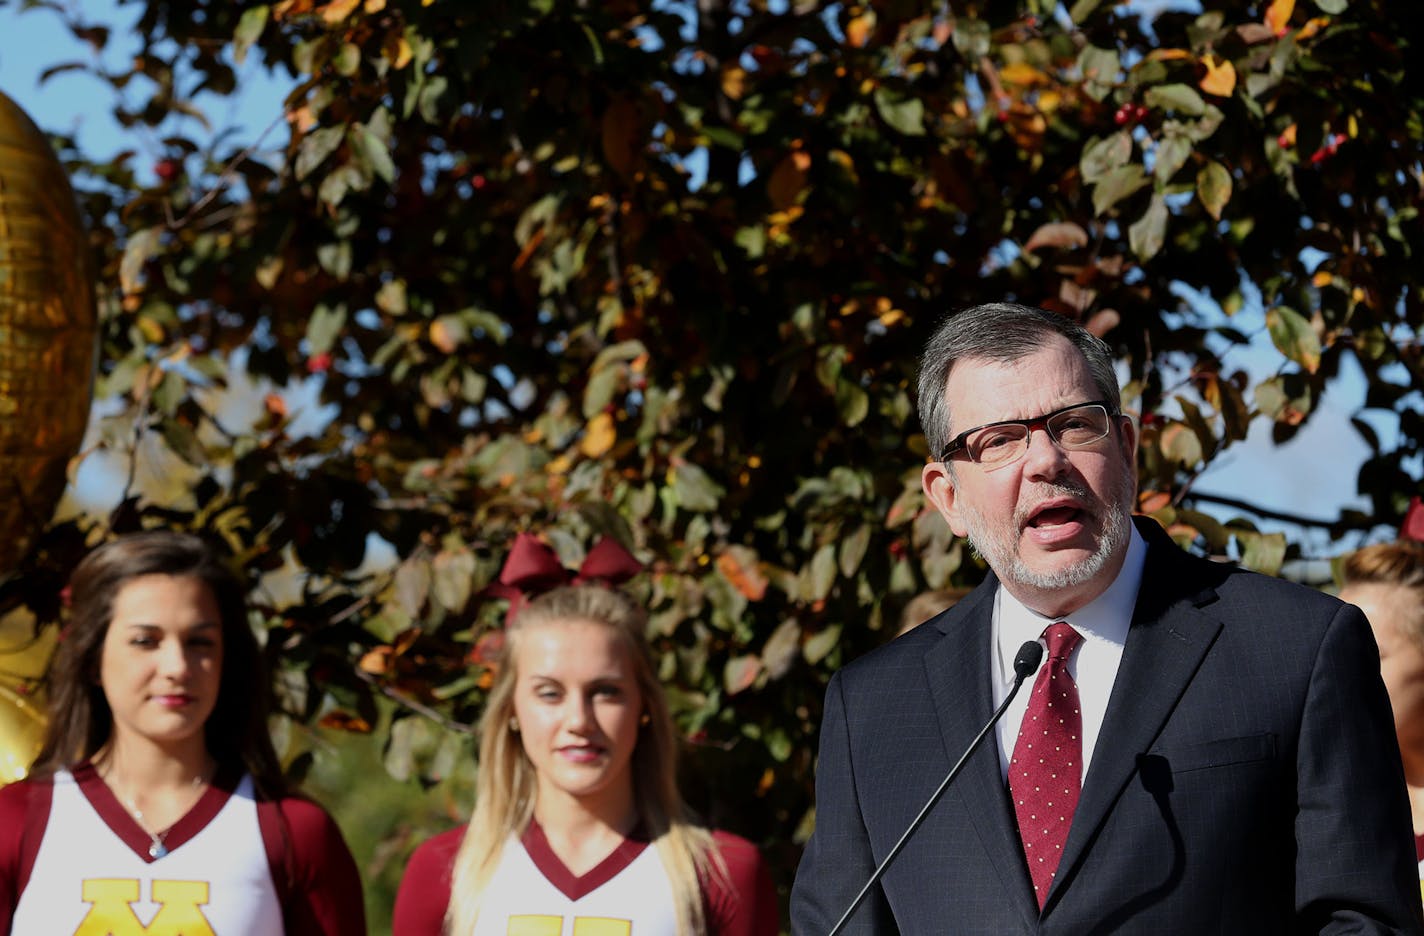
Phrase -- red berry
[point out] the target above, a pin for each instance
(319, 363)
(167, 169)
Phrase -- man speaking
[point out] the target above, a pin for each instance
(1203, 750)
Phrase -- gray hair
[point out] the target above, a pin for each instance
(1001, 332)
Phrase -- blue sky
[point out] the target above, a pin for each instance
(1313, 475)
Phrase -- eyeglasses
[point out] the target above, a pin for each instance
(1002, 443)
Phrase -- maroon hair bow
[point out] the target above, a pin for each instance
(532, 568)
(1413, 526)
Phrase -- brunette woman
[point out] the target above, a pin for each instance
(157, 804)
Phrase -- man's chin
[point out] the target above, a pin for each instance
(1064, 567)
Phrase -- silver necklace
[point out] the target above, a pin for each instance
(156, 848)
(156, 840)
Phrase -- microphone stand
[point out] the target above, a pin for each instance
(1025, 663)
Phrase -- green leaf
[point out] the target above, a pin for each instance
(1172, 154)
(819, 645)
(782, 649)
(1082, 9)
(1294, 337)
(347, 60)
(376, 153)
(325, 325)
(822, 573)
(852, 402)
(853, 550)
(335, 258)
(1102, 156)
(740, 674)
(1181, 445)
(1117, 185)
(452, 576)
(599, 391)
(1333, 7)
(141, 247)
(249, 29)
(316, 147)
(430, 94)
(1148, 232)
(694, 490)
(1181, 98)
(1099, 67)
(1262, 552)
(1214, 188)
(905, 114)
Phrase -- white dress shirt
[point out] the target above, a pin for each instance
(1103, 622)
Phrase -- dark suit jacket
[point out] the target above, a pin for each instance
(1246, 778)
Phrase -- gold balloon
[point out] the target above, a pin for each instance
(24, 657)
(48, 329)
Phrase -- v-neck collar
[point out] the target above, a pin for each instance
(573, 886)
(122, 824)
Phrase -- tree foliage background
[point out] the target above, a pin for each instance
(660, 272)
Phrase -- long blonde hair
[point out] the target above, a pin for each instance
(506, 788)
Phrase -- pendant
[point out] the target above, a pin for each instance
(157, 850)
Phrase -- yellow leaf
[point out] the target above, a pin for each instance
(444, 335)
(788, 179)
(1022, 73)
(1321, 279)
(734, 82)
(398, 51)
(1312, 27)
(337, 10)
(291, 8)
(152, 331)
(375, 6)
(858, 29)
(1168, 55)
(1278, 16)
(598, 436)
(1220, 77)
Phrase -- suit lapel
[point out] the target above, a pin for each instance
(958, 668)
(1166, 643)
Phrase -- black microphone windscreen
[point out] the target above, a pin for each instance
(1030, 655)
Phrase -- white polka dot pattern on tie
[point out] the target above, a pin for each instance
(1045, 782)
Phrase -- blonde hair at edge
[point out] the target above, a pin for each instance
(506, 786)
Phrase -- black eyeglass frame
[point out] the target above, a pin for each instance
(956, 445)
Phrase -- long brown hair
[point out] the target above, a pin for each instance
(506, 786)
(80, 721)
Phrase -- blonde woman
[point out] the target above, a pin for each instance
(577, 813)
(1386, 581)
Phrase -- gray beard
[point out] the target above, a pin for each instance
(1001, 553)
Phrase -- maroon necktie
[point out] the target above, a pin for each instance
(1046, 772)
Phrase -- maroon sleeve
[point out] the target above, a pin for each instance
(745, 903)
(12, 826)
(323, 893)
(425, 887)
(24, 813)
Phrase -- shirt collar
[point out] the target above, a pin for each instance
(1106, 618)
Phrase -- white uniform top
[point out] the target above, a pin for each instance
(87, 881)
(532, 894)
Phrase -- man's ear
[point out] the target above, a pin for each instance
(1127, 438)
(940, 490)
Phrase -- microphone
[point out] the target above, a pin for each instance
(1025, 663)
